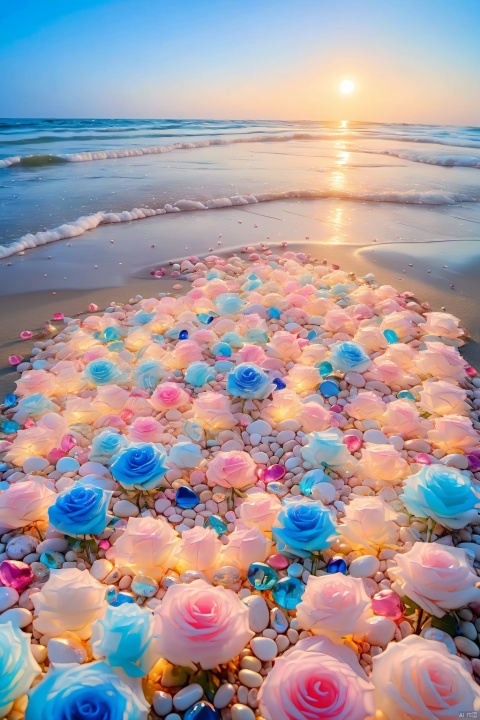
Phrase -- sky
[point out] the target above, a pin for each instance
(412, 61)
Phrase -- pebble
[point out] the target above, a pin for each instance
(466, 646)
(223, 695)
(39, 652)
(473, 547)
(188, 696)
(67, 464)
(19, 547)
(264, 648)
(325, 492)
(468, 630)
(259, 615)
(250, 679)
(162, 703)
(35, 464)
(380, 631)
(63, 650)
(53, 545)
(21, 617)
(101, 568)
(375, 436)
(124, 508)
(8, 597)
(259, 427)
(365, 566)
(250, 663)
(242, 712)
(457, 461)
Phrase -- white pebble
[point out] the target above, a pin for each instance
(124, 508)
(62, 650)
(223, 695)
(18, 616)
(259, 615)
(8, 597)
(101, 568)
(250, 679)
(264, 648)
(162, 702)
(35, 464)
(242, 712)
(466, 646)
(365, 566)
(188, 696)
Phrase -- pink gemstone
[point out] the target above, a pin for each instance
(26, 334)
(67, 442)
(139, 393)
(92, 307)
(353, 443)
(473, 463)
(126, 415)
(278, 562)
(14, 359)
(29, 423)
(16, 574)
(274, 473)
(336, 408)
(158, 273)
(54, 455)
(470, 371)
(335, 267)
(222, 357)
(58, 316)
(422, 459)
(103, 544)
(388, 604)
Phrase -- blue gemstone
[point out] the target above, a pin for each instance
(111, 594)
(325, 368)
(217, 524)
(10, 427)
(280, 385)
(262, 576)
(202, 711)
(186, 498)
(329, 388)
(193, 430)
(221, 349)
(111, 333)
(205, 319)
(311, 478)
(288, 592)
(223, 366)
(10, 400)
(274, 313)
(52, 559)
(183, 335)
(337, 565)
(390, 336)
(122, 598)
(116, 346)
(311, 335)
(405, 394)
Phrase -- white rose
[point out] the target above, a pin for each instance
(259, 509)
(148, 546)
(246, 544)
(383, 462)
(24, 503)
(443, 398)
(368, 525)
(199, 550)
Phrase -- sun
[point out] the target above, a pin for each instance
(346, 87)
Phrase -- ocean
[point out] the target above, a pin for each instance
(61, 178)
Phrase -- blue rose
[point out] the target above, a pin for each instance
(347, 356)
(303, 527)
(105, 445)
(185, 455)
(147, 374)
(249, 381)
(312, 478)
(199, 373)
(124, 637)
(102, 372)
(85, 692)
(17, 665)
(442, 493)
(81, 510)
(33, 406)
(141, 466)
(325, 448)
(233, 339)
(229, 304)
(221, 349)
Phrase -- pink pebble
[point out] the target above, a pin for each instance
(284, 243)
(103, 544)
(29, 423)
(336, 408)
(58, 316)
(353, 443)
(15, 359)
(92, 307)
(26, 334)
(422, 459)
(67, 442)
(254, 256)
(471, 372)
(278, 562)
(127, 415)
(177, 287)
(174, 274)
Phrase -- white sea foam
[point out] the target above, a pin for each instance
(429, 158)
(90, 222)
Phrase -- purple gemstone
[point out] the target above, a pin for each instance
(274, 473)
(473, 463)
(388, 604)
(16, 574)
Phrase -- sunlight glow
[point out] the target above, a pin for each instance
(346, 87)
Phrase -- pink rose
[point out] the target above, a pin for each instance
(202, 624)
(246, 545)
(333, 605)
(213, 411)
(383, 462)
(317, 679)
(148, 546)
(25, 502)
(69, 379)
(36, 381)
(168, 396)
(418, 678)
(37, 440)
(367, 405)
(315, 417)
(313, 354)
(441, 325)
(145, 429)
(187, 352)
(137, 339)
(252, 354)
(285, 405)
(303, 377)
(371, 338)
(401, 354)
(404, 323)
(390, 373)
(110, 399)
(437, 577)
(368, 525)
(401, 417)
(284, 345)
(259, 509)
(440, 361)
(454, 434)
(234, 469)
(443, 398)
(339, 321)
(199, 550)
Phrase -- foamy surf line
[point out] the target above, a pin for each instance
(429, 158)
(46, 159)
(90, 222)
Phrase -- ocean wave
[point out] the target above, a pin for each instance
(90, 222)
(89, 156)
(429, 158)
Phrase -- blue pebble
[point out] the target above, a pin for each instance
(67, 464)
(329, 388)
(295, 570)
(274, 313)
(202, 711)
(10, 400)
(405, 394)
(288, 592)
(186, 498)
(280, 385)
(390, 336)
(10, 427)
(183, 335)
(337, 565)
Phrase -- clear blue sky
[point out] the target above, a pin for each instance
(411, 60)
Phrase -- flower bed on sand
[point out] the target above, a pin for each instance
(257, 499)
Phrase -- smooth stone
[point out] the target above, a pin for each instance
(365, 566)
(457, 461)
(288, 592)
(466, 646)
(35, 464)
(93, 468)
(379, 631)
(473, 547)
(250, 678)
(223, 695)
(325, 492)
(264, 648)
(8, 597)
(278, 621)
(202, 710)
(295, 570)
(468, 630)
(67, 464)
(19, 547)
(375, 436)
(259, 427)
(101, 568)
(162, 702)
(124, 508)
(61, 650)
(39, 652)
(188, 696)
(21, 617)
(53, 545)
(173, 716)
(242, 712)
(144, 586)
(259, 615)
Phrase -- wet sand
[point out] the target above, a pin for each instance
(400, 244)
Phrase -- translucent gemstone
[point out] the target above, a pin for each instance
(274, 473)
(336, 408)
(67, 442)
(205, 319)
(221, 349)
(404, 394)
(193, 430)
(14, 359)
(422, 459)
(337, 564)
(311, 335)
(352, 442)
(127, 415)
(10, 427)
(40, 571)
(274, 313)
(227, 575)
(278, 620)
(311, 478)
(471, 372)
(16, 574)
(111, 333)
(104, 544)
(116, 346)
(325, 368)
(183, 335)
(52, 559)
(26, 334)
(473, 463)
(111, 594)
(29, 423)
(58, 316)
(216, 522)
(390, 336)
(262, 576)
(186, 498)
(329, 388)
(279, 562)
(10, 400)
(277, 488)
(55, 455)
(122, 598)
(440, 636)
(202, 711)
(388, 604)
(144, 585)
(279, 384)
(288, 592)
